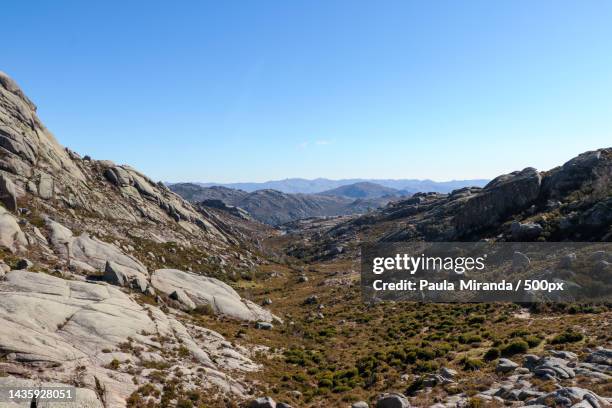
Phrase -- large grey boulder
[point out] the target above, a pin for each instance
(202, 291)
(572, 396)
(11, 236)
(553, 368)
(392, 400)
(584, 170)
(89, 251)
(505, 366)
(504, 195)
(8, 195)
(598, 216)
(525, 231)
(601, 356)
(262, 402)
(180, 296)
(125, 276)
(520, 261)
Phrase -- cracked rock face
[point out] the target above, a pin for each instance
(57, 324)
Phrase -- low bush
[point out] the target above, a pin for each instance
(515, 347)
(568, 336)
(492, 354)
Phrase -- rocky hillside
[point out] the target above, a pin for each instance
(102, 268)
(273, 207)
(195, 193)
(573, 201)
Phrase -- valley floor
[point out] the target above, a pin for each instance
(333, 350)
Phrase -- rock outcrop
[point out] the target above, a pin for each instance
(573, 201)
(192, 290)
(90, 324)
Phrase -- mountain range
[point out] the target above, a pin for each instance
(306, 186)
(276, 207)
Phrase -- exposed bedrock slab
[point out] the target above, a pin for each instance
(202, 290)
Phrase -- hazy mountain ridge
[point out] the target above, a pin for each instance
(307, 186)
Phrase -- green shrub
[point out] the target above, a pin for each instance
(325, 382)
(114, 365)
(341, 388)
(184, 403)
(492, 354)
(426, 366)
(515, 347)
(476, 320)
(568, 336)
(425, 354)
(416, 385)
(470, 364)
(533, 341)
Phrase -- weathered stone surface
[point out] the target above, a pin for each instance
(505, 366)
(262, 402)
(84, 398)
(392, 400)
(8, 195)
(525, 232)
(520, 261)
(601, 356)
(588, 168)
(124, 276)
(553, 367)
(82, 319)
(203, 290)
(567, 396)
(502, 196)
(180, 296)
(360, 404)
(91, 251)
(46, 186)
(11, 236)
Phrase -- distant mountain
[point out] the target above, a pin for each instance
(275, 207)
(363, 189)
(305, 186)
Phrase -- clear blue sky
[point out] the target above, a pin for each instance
(256, 90)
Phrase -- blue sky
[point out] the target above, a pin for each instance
(256, 90)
